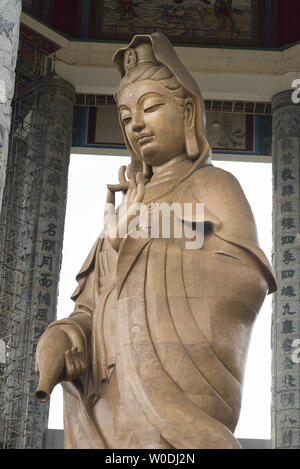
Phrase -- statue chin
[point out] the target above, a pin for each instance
(154, 159)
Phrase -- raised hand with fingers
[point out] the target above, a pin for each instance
(117, 222)
(123, 183)
(74, 364)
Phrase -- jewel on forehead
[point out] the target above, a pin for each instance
(130, 94)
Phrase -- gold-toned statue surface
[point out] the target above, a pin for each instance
(153, 355)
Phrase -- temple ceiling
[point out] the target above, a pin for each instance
(233, 23)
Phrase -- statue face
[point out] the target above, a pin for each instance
(153, 121)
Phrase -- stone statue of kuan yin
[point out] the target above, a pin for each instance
(153, 355)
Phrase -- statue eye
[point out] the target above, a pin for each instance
(153, 108)
(126, 120)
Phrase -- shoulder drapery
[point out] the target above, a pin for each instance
(227, 210)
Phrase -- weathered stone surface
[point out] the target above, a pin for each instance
(45, 195)
(10, 11)
(286, 259)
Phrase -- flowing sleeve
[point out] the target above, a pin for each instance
(78, 324)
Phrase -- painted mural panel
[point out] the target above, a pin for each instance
(232, 133)
(208, 22)
(27, 5)
(186, 21)
(226, 131)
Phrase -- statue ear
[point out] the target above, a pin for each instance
(191, 142)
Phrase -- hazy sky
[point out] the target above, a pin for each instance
(88, 177)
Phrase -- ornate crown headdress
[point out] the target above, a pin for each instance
(141, 54)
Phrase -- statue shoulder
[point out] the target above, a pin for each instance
(212, 175)
(209, 180)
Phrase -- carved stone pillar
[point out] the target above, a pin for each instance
(286, 259)
(10, 11)
(52, 120)
(44, 185)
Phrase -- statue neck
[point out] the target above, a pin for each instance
(166, 175)
(171, 170)
(173, 162)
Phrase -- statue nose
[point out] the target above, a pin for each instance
(137, 123)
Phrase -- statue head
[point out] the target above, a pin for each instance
(161, 109)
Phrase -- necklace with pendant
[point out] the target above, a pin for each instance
(160, 196)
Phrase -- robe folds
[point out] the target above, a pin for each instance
(165, 329)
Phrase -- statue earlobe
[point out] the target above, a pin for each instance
(191, 141)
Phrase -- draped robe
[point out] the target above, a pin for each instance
(165, 329)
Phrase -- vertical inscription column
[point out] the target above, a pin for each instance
(43, 189)
(52, 121)
(10, 11)
(286, 259)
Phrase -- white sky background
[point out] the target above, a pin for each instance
(88, 177)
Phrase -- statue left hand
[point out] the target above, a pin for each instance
(56, 361)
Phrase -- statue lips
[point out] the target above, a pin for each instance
(144, 138)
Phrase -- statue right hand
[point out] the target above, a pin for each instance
(116, 226)
(56, 361)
